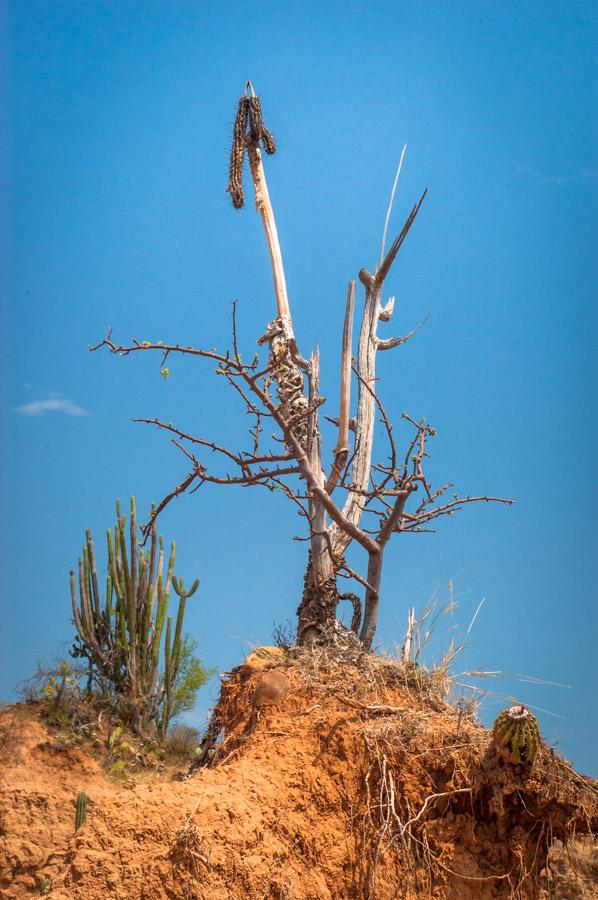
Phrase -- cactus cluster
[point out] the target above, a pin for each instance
(81, 812)
(121, 633)
(516, 735)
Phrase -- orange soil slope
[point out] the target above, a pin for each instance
(360, 784)
(40, 778)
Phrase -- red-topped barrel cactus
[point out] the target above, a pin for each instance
(516, 735)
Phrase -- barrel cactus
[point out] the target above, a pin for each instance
(516, 735)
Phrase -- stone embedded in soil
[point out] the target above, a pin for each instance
(271, 689)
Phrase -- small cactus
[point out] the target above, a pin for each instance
(81, 810)
(516, 735)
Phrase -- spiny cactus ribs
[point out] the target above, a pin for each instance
(516, 735)
(249, 112)
(81, 813)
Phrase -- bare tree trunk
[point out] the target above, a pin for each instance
(317, 609)
(372, 598)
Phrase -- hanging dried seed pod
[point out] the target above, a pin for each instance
(249, 113)
(268, 141)
(256, 120)
(257, 129)
(516, 735)
(235, 183)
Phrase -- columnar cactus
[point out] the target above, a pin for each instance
(516, 735)
(121, 633)
(172, 648)
(81, 813)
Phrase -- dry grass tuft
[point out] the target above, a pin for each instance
(187, 849)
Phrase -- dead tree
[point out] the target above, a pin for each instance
(282, 394)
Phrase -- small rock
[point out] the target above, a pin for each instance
(271, 690)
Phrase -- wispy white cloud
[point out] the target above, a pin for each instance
(53, 403)
(582, 175)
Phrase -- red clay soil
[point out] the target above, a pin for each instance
(40, 777)
(361, 783)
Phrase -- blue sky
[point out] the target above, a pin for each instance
(119, 120)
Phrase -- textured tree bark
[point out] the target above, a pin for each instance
(317, 609)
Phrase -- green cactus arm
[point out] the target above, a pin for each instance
(121, 626)
(157, 576)
(120, 574)
(157, 636)
(168, 680)
(76, 617)
(134, 555)
(109, 610)
(143, 621)
(143, 590)
(112, 563)
(179, 586)
(171, 562)
(87, 579)
(153, 548)
(141, 585)
(176, 644)
(85, 604)
(176, 650)
(87, 618)
(93, 575)
(129, 605)
(124, 563)
(168, 656)
(120, 638)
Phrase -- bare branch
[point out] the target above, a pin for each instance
(264, 207)
(385, 420)
(449, 508)
(392, 197)
(167, 426)
(147, 528)
(389, 343)
(234, 329)
(391, 255)
(342, 446)
(351, 573)
(262, 475)
(389, 525)
(124, 350)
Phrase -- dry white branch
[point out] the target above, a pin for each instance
(392, 198)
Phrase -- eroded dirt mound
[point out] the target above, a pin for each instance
(40, 778)
(358, 782)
